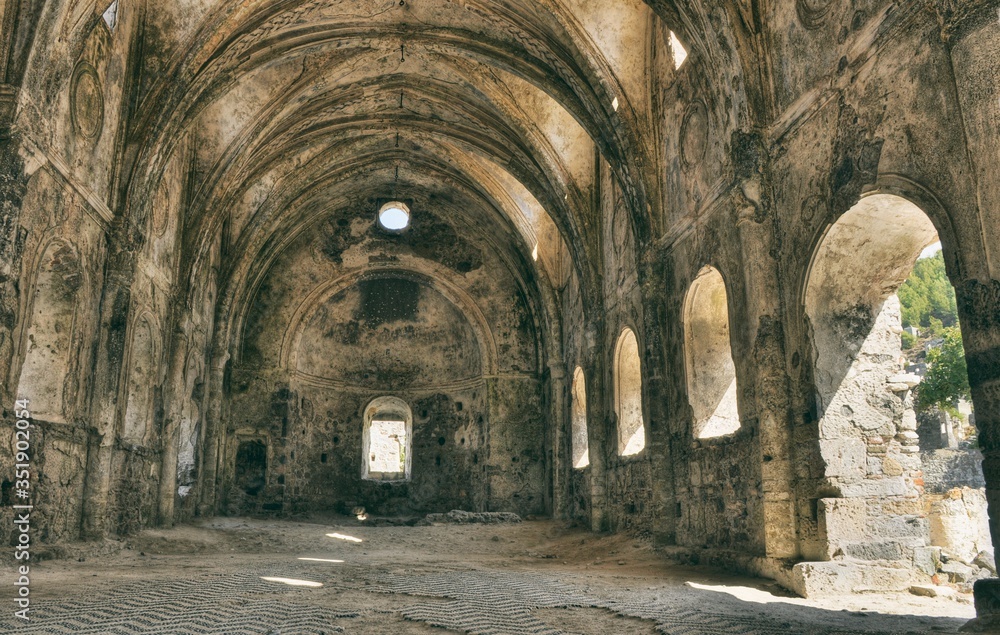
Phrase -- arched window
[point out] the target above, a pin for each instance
(387, 440)
(141, 378)
(628, 395)
(581, 454)
(711, 373)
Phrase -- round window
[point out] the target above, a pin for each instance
(394, 217)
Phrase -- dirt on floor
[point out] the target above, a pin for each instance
(537, 577)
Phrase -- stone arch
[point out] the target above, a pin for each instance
(49, 337)
(436, 281)
(867, 426)
(580, 442)
(382, 449)
(708, 357)
(860, 262)
(141, 379)
(628, 395)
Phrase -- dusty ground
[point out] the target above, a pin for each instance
(244, 576)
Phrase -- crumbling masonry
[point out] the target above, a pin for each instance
(641, 290)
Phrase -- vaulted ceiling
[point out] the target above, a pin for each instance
(498, 113)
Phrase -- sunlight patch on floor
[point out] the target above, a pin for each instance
(293, 582)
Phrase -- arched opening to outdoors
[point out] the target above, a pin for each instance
(581, 453)
(387, 440)
(711, 373)
(141, 377)
(628, 395)
(47, 355)
(886, 499)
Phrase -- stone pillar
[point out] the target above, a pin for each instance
(979, 312)
(13, 184)
(559, 416)
(174, 398)
(113, 327)
(599, 432)
(215, 432)
(971, 31)
(658, 394)
(770, 380)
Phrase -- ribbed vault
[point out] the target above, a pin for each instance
(288, 91)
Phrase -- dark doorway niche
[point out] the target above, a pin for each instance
(251, 467)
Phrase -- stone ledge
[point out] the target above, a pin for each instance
(819, 579)
(807, 579)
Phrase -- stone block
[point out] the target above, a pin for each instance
(957, 572)
(844, 457)
(900, 527)
(873, 550)
(895, 486)
(927, 559)
(842, 518)
(891, 467)
(959, 523)
(986, 560)
(932, 591)
(825, 579)
(987, 597)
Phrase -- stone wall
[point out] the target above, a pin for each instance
(323, 354)
(195, 289)
(946, 469)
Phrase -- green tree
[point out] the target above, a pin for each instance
(927, 298)
(908, 341)
(947, 378)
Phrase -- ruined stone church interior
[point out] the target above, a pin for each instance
(495, 316)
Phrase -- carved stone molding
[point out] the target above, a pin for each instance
(694, 134)
(87, 101)
(813, 13)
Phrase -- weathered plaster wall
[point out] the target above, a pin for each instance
(323, 339)
(194, 199)
(63, 248)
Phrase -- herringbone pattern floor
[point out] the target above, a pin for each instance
(401, 580)
(236, 604)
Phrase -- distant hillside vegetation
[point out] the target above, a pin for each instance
(927, 297)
